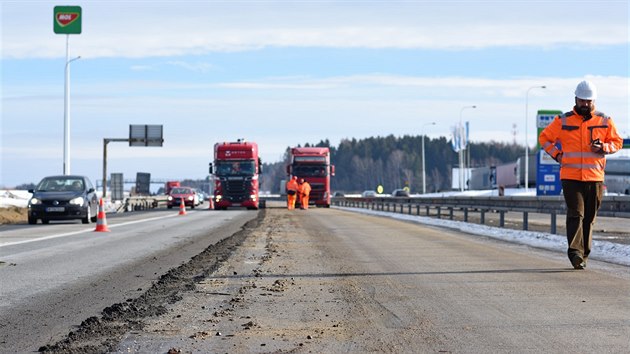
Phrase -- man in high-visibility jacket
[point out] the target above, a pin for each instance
(579, 141)
(292, 192)
(304, 191)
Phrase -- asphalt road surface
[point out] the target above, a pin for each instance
(55, 276)
(326, 280)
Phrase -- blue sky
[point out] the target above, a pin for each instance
(284, 73)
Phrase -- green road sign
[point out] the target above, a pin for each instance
(67, 20)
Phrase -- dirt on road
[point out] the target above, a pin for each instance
(267, 289)
(291, 282)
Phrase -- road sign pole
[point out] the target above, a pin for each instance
(66, 117)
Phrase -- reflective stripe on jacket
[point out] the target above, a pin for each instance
(571, 135)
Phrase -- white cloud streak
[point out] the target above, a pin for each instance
(137, 30)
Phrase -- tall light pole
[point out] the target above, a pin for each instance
(461, 149)
(424, 175)
(526, 137)
(66, 116)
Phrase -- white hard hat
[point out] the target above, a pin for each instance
(586, 90)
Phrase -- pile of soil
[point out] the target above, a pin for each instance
(13, 215)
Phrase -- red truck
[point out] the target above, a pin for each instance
(236, 170)
(313, 164)
(168, 186)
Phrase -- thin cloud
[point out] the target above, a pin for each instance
(195, 67)
(200, 27)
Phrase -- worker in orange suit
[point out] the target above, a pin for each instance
(579, 141)
(304, 191)
(292, 192)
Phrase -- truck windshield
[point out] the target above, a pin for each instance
(310, 170)
(235, 168)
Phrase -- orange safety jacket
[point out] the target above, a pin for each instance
(571, 136)
(292, 185)
(305, 188)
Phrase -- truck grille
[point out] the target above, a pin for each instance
(317, 191)
(237, 190)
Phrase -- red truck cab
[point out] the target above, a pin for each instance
(236, 171)
(168, 186)
(313, 164)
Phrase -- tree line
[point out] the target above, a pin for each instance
(396, 162)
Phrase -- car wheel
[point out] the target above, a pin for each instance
(95, 217)
(88, 218)
(32, 221)
(45, 221)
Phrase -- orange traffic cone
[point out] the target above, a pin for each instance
(210, 204)
(182, 208)
(101, 221)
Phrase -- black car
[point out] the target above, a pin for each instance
(63, 198)
(400, 193)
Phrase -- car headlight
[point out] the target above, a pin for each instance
(34, 201)
(169, 198)
(190, 197)
(77, 201)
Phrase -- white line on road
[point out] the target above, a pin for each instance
(83, 231)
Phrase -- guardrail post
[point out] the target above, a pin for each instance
(553, 222)
(409, 209)
(439, 212)
(465, 214)
(418, 209)
(525, 220)
(483, 217)
(501, 218)
(450, 212)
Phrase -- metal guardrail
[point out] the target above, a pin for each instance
(612, 206)
(137, 203)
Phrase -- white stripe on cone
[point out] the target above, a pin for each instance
(101, 220)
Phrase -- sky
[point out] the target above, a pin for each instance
(283, 73)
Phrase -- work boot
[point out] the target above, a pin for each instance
(578, 262)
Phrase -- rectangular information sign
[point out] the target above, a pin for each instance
(547, 169)
(67, 20)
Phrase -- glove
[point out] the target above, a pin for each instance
(558, 158)
(596, 146)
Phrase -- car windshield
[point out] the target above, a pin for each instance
(309, 171)
(235, 168)
(61, 184)
(181, 191)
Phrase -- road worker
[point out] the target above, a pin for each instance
(304, 191)
(579, 141)
(292, 191)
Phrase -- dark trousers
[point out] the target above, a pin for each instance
(583, 199)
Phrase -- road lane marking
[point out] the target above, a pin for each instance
(83, 231)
